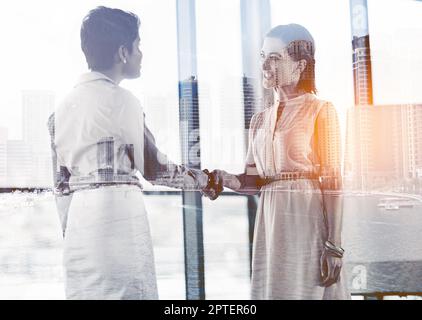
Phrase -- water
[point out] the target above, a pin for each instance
(31, 247)
(383, 247)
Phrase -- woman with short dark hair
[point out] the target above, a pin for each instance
(100, 142)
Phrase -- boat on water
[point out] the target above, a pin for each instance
(395, 203)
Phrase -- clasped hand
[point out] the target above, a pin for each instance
(214, 186)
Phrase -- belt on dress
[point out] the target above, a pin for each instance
(80, 186)
(291, 175)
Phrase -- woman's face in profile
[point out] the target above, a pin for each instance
(278, 68)
(132, 68)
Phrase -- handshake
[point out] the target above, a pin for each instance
(214, 184)
(211, 184)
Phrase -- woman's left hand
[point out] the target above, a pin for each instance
(330, 269)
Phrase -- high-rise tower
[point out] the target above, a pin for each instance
(362, 70)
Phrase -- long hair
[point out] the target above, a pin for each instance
(298, 50)
(300, 46)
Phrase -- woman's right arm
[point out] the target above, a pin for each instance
(248, 182)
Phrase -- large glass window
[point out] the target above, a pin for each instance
(220, 80)
(42, 59)
(226, 243)
(222, 146)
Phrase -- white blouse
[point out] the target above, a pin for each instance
(98, 132)
(306, 137)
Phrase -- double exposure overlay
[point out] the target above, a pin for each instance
(213, 149)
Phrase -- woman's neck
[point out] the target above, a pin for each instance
(113, 73)
(283, 94)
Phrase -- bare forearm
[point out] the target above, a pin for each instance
(159, 170)
(241, 183)
(333, 201)
(180, 177)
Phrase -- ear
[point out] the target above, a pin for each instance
(302, 65)
(122, 54)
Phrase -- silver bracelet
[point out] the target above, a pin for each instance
(333, 250)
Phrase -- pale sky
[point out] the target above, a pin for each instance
(41, 50)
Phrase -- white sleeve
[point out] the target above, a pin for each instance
(130, 120)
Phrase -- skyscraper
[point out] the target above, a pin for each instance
(329, 140)
(249, 100)
(19, 165)
(383, 146)
(37, 106)
(362, 70)
(414, 128)
(105, 159)
(189, 122)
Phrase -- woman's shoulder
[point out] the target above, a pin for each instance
(126, 103)
(324, 110)
(261, 113)
(125, 96)
(313, 99)
(258, 117)
(319, 106)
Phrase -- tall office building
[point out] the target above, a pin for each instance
(362, 70)
(19, 165)
(249, 100)
(383, 146)
(105, 159)
(37, 106)
(329, 139)
(414, 128)
(370, 162)
(357, 145)
(189, 122)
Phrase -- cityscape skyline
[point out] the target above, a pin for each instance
(27, 162)
(368, 163)
(384, 148)
(380, 141)
(219, 57)
(395, 62)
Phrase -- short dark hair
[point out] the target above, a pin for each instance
(103, 31)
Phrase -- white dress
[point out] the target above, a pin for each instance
(108, 250)
(290, 227)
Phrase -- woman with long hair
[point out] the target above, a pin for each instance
(293, 160)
